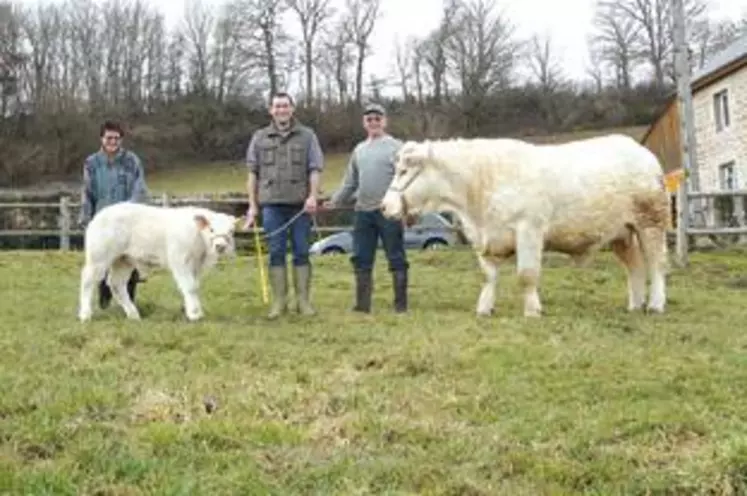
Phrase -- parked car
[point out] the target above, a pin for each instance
(430, 232)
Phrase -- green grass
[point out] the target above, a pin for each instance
(587, 400)
(230, 177)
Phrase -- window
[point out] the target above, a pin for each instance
(721, 110)
(725, 205)
(727, 176)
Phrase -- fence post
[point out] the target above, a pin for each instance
(164, 199)
(65, 223)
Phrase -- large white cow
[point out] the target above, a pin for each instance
(517, 198)
(124, 236)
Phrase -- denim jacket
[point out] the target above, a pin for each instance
(105, 182)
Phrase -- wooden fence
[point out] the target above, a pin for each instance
(720, 216)
(67, 215)
(701, 220)
(67, 210)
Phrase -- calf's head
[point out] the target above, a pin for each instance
(417, 185)
(217, 229)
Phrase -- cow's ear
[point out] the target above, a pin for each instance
(202, 222)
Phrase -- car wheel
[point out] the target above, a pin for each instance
(333, 250)
(435, 244)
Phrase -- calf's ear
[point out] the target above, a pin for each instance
(201, 221)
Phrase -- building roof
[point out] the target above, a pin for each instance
(734, 52)
(720, 65)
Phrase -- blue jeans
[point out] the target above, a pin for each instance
(273, 218)
(368, 227)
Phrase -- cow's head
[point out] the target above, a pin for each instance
(217, 229)
(417, 185)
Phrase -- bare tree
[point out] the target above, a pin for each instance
(482, 49)
(654, 41)
(175, 51)
(544, 63)
(433, 48)
(11, 57)
(311, 14)
(262, 37)
(85, 16)
(546, 68)
(616, 40)
(198, 26)
(337, 50)
(709, 37)
(595, 70)
(228, 65)
(362, 17)
(418, 61)
(482, 52)
(404, 55)
(155, 54)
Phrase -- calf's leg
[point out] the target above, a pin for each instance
(189, 287)
(90, 275)
(118, 278)
(529, 245)
(486, 301)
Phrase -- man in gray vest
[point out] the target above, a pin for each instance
(370, 171)
(111, 175)
(285, 161)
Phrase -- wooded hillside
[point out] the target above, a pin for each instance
(197, 92)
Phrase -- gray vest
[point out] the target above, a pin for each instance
(283, 164)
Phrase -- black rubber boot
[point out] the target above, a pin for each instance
(363, 289)
(400, 291)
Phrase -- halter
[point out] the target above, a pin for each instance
(225, 237)
(401, 190)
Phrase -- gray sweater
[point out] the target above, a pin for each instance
(370, 171)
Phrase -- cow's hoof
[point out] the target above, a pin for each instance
(194, 316)
(654, 310)
(533, 313)
(485, 312)
(84, 316)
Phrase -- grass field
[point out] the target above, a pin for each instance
(227, 177)
(587, 400)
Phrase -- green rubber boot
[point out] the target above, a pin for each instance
(279, 286)
(302, 287)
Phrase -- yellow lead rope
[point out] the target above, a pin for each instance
(262, 274)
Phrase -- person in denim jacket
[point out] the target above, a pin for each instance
(111, 175)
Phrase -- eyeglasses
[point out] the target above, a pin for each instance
(112, 138)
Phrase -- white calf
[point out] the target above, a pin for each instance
(516, 198)
(125, 236)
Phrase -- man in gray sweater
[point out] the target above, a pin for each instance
(369, 173)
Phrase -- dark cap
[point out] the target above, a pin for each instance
(374, 108)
